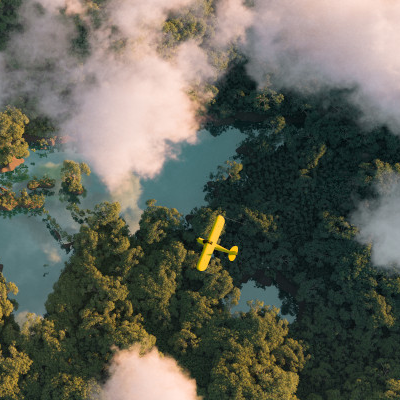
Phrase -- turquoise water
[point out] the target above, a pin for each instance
(268, 296)
(180, 185)
(28, 251)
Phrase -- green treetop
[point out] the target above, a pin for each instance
(8, 20)
(71, 175)
(294, 192)
(119, 289)
(14, 363)
(87, 313)
(249, 356)
(12, 144)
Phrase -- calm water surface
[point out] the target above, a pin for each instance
(28, 251)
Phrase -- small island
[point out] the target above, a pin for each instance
(43, 183)
(13, 146)
(71, 175)
(9, 200)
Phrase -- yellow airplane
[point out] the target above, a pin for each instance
(210, 244)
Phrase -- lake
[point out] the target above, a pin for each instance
(33, 260)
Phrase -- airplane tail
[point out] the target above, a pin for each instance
(233, 253)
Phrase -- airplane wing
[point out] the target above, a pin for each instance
(205, 257)
(216, 229)
(209, 246)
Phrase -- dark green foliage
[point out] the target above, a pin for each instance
(239, 103)
(294, 191)
(14, 363)
(80, 43)
(8, 20)
(117, 287)
(87, 314)
(41, 127)
(248, 356)
(252, 357)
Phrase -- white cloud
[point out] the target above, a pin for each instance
(132, 119)
(135, 18)
(309, 43)
(127, 194)
(52, 253)
(151, 377)
(233, 20)
(24, 317)
(379, 222)
(130, 111)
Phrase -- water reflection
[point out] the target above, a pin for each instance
(32, 258)
(269, 296)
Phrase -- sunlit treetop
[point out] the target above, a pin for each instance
(12, 144)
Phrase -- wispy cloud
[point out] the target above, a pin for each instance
(51, 252)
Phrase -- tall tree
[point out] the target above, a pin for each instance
(12, 144)
(14, 362)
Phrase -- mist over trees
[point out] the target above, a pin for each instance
(297, 179)
(8, 20)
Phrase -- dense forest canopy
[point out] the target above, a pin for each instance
(308, 161)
